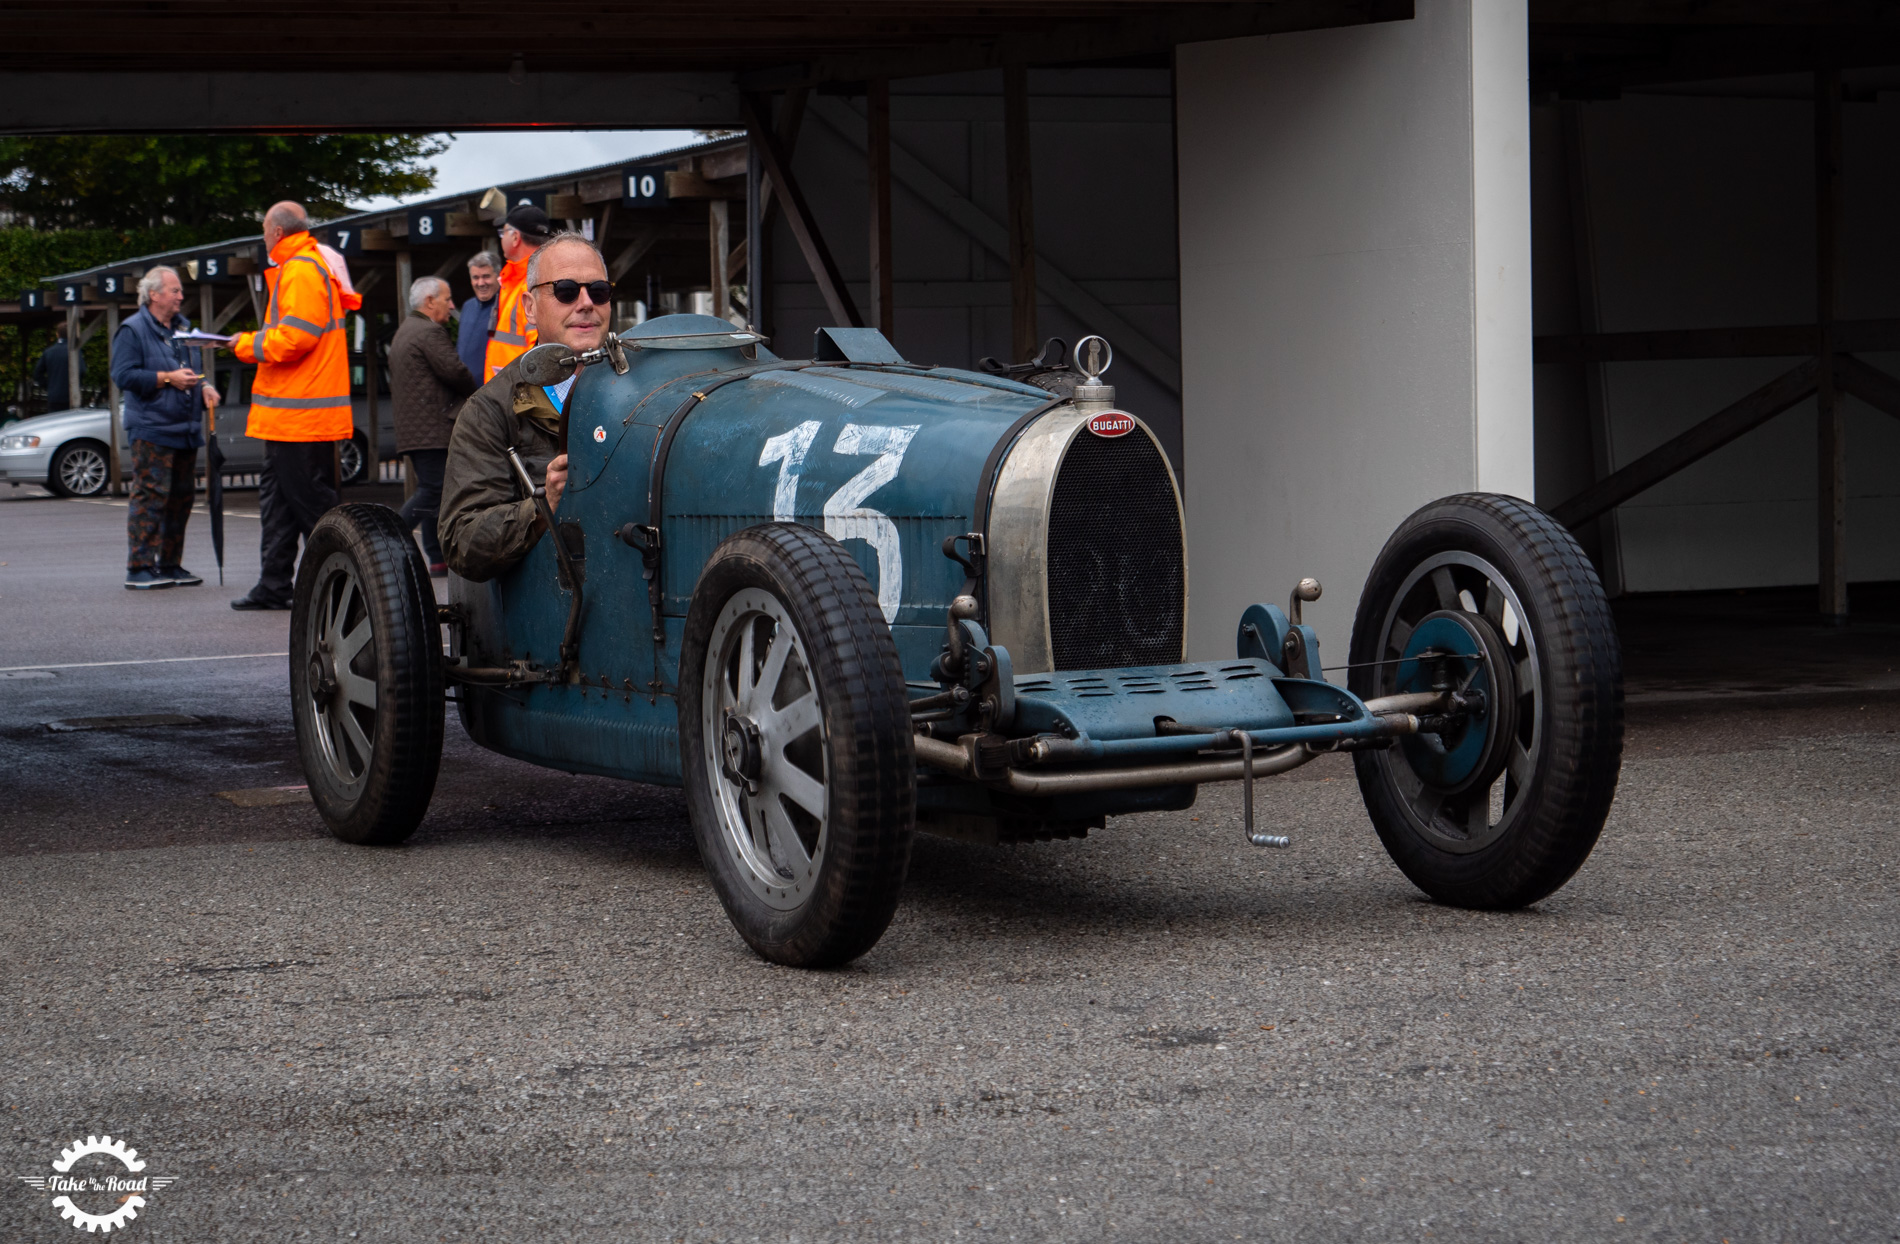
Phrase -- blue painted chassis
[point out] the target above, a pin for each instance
(618, 717)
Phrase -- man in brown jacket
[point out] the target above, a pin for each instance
(427, 381)
(488, 524)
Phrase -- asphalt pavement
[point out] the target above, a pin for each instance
(534, 1023)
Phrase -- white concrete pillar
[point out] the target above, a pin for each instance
(1355, 297)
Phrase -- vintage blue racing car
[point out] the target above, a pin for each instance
(847, 598)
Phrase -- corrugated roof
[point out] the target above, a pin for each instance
(256, 239)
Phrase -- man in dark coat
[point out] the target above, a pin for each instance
(478, 313)
(427, 382)
(164, 399)
(50, 372)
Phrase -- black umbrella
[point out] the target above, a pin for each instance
(214, 475)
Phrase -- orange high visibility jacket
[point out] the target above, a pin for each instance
(302, 390)
(509, 337)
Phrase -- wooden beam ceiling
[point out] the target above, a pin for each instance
(682, 62)
(564, 36)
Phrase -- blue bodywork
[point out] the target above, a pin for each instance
(889, 458)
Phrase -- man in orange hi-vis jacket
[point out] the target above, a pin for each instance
(300, 400)
(510, 335)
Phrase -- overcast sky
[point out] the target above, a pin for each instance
(478, 160)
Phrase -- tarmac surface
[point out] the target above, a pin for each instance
(534, 1023)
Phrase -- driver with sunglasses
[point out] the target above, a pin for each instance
(486, 524)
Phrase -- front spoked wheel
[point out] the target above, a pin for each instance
(796, 747)
(768, 770)
(1488, 596)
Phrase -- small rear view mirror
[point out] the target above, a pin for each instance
(549, 363)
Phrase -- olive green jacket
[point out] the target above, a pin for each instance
(487, 524)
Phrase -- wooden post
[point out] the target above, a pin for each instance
(1832, 447)
(72, 357)
(115, 426)
(878, 164)
(405, 276)
(838, 301)
(371, 416)
(754, 237)
(602, 224)
(719, 240)
(1022, 224)
(1590, 321)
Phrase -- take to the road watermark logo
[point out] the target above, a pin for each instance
(99, 1184)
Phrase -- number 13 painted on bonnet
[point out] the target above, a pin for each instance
(846, 515)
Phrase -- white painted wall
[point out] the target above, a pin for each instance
(1355, 296)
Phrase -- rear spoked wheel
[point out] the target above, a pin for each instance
(366, 675)
(1487, 596)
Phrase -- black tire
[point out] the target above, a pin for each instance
(353, 459)
(371, 768)
(825, 898)
(79, 469)
(1555, 748)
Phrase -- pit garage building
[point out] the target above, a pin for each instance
(1633, 259)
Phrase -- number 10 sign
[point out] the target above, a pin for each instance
(644, 186)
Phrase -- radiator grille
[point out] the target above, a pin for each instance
(1116, 595)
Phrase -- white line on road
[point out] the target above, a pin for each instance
(89, 665)
(197, 507)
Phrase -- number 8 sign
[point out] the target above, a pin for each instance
(428, 226)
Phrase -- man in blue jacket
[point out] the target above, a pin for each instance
(162, 401)
(478, 313)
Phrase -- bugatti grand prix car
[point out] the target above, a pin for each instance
(844, 599)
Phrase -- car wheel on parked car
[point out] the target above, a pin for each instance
(1489, 596)
(78, 469)
(796, 746)
(352, 459)
(366, 675)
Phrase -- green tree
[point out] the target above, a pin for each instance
(78, 201)
(211, 185)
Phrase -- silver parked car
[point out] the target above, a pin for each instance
(66, 450)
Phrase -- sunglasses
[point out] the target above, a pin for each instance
(565, 292)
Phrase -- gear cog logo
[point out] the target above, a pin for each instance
(100, 1186)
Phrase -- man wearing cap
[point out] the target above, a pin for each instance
(511, 335)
